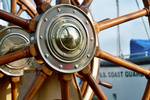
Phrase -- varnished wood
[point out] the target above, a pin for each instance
(24, 53)
(17, 20)
(14, 6)
(42, 75)
(65, 87)
(29, 7)
(77, 88)
(42, 5)
(105, 84)
(13, 19)
(93, 84)
(63, 1)
(84, 88)
(79, 76)
(20, 12)
(122, 19)
(1, 75)
(15, 87)
(75, 2)
(146, 95)
(86, 3)
(36, 86)
(147, 5)
(126, 64)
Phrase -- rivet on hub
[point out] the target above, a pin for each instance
(91, 38)
(46, 55)
(60, 66)
(88, 55)
(86, 22)
(74, 11)
(32, 38)
(41, 37)
(8, 30)
(76, 66)
(45, 19)
(58, 9)
(53, 37)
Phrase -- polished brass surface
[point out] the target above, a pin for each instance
(64, 42)
(69, 38)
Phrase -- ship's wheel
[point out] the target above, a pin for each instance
(63, 42)
(15, 70)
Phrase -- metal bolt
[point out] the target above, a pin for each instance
(79, 49)
(45, 19)
(53, 36)
(61, 66)
(58, 9)
(63, 54)
(91, 38)
(73, 11)
(76, 66)
(86, 22)
(32, 38)
(46, 55)
(41, 37)
(88, 55)
(8, 30)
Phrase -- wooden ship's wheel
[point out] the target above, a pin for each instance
(61, 41)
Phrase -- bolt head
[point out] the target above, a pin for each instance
(60, 66)
(76, 66)
(45, 19)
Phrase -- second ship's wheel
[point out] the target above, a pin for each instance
(20, 6)
(64, 43)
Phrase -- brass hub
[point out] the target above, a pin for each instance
(66, 38)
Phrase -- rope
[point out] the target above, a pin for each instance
(146, 30)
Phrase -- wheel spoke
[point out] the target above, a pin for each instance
(15, 87)
(14, 6)
(122, 19)
(84, 88)
(93, 84)
(29, 25)
(13, 19)
(30, 8)
(146, 95)
(105, 84)
(19, 12)
(65, 86)
(76, 88)
(79, 76)
(86, 3)
(10, 57)
(147, 5)
(75, 2)
(1, 75)
(42, 5)
(121, 62)
(63, 1)
(43, 74)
